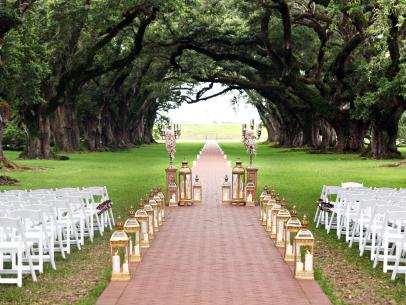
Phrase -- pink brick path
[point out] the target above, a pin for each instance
(212, 254)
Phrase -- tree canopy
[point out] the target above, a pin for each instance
(94, 74)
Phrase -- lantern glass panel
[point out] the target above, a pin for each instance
(226, 193)
(238, 186)
(185, 186)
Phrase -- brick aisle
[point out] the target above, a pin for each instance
(211, 254)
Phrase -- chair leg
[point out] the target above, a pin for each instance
(20, 268)
(33, 274)
(395, 268)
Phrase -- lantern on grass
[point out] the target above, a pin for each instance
(264, 209)
(267, 217)
(226, 191)
(274, 211)
(132, 228)
(142, 218)
(119, 245)
(293, 225)
(185, 184)
(150, 211)
(154, 206)
(261, 200)
(238, 181)
(159, 201)
(162, 196)
(304, 250)
(264, 193)
(250, 194)
(197, 191)
(173, 193)
(281, 218)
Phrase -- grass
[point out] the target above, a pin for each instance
(214, 131)
(299, 177)
(128, 175)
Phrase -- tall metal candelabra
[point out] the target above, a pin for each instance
(256, 128)
(176, 127)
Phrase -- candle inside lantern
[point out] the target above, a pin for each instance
(131, 246)
(197, 195)
(226, 194)
(308, 261)
(173, 198)
(249, 198)
(125, 267)
(116, 263)
(137, 250)
(299, 266)
(289, 249)
(280, 232)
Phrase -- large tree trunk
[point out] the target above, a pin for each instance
(1, 140)
(350, 135)
(384, 134)
(38, 143)
(65, 127)
(149, 124)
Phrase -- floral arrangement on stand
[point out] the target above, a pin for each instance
(170, 141)
(249, 142)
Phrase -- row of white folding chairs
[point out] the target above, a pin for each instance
(81, 208)
(62, 216)
(346, 207)
(105, 218)
(322, 216)
(380, 228)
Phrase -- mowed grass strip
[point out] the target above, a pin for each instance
(299, 177)
(128, 175)
(214, 131)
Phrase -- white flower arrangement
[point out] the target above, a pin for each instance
(170, 141)
(249, 142)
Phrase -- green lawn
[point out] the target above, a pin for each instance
(299, 176)
(214, 131)
(128, 175)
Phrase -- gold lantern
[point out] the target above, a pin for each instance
(226, 191)
(159, 201)
(261, 200)
(274, 211)
(171, 174)
(266, 203)
(185, 184)
(281, 218)
(155, 207)
(173, 193)
(304, 251)
(267, 217)
(197, 191)
(263, 194)
(238, 182)
(150, 212)
(293, 225)
(132, 228)
(250, 195)
(142, 217)
(162, 196)
(119, 243)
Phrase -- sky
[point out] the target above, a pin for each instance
(216, 110)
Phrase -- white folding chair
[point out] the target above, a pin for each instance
(14, 248)
(389, 238)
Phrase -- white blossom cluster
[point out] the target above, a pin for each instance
(170, 140)
(249, 141)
